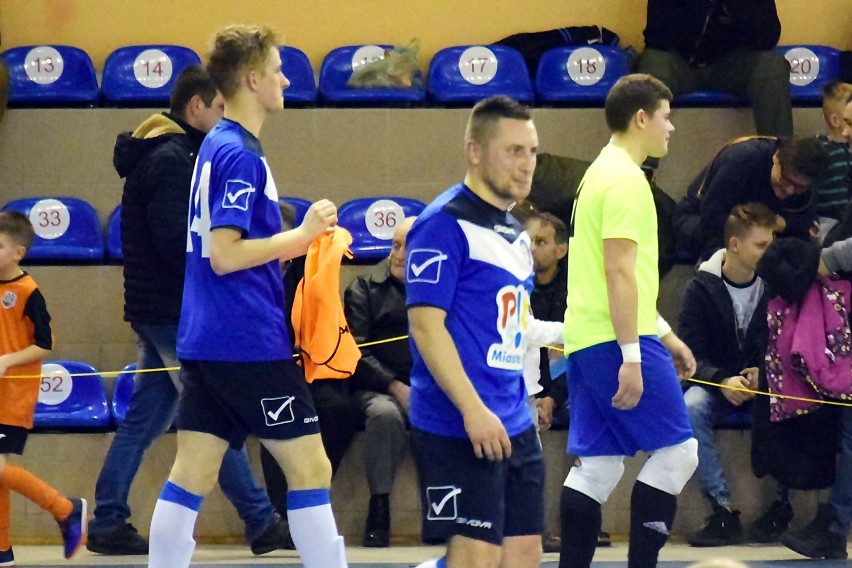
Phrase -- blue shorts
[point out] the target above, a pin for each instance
(599, 429)
(476, 498)
(230, 400)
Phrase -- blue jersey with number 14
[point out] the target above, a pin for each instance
(237, 316)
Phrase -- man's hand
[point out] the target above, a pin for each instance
(401, 392)
(4, 365)
(544, 408)
(736, 397)
(487, 434)
(320, 218)
(823, 269)
(630, 386)
(682, 357)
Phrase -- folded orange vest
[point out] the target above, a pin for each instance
(321, 332)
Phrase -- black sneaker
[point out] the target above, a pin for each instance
(604, 540)
(816, 540)
(275, 537)
(722, 528)
(377, 527)
(772, 524)
(123, 540)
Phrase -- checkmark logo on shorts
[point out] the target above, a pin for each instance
(424, 265)
(237, 193)
(278, 410)
(2, 436)
(443, 505)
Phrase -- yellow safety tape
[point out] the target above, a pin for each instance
(402, 337)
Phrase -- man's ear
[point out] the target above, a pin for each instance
(473, 151)
(561, 250)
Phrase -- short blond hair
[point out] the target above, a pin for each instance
(834, 93)
(236, 50)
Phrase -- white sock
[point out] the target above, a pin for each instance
(313, 529)
(171, 543)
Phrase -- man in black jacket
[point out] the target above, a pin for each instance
(775, 172)
(723, 321)
(375, 310)
(157, 161)
(722, 45)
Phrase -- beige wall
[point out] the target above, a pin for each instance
(99, 26)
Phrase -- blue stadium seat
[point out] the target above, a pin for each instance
(579, 74)
(372, 221)
(811, 66)
(114, 235)
(466, 74)
(122, 393)
(46, 75)
(337, 68)
(66, 228)
(75, 403)
(739, 419)
(301, 206)
(297, 68)
(144, 74)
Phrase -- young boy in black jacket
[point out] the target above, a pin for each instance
(723, 321)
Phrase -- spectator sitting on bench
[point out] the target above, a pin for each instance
(832, 191)
(775, 172)
(723, 321)
(723, 45)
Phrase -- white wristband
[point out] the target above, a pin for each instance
(663, 327)
(630, 353)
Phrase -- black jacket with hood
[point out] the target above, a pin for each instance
(702, 31)
(157, 161)
(708, 325)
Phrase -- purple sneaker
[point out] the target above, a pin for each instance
(7, 559)
(73, 528)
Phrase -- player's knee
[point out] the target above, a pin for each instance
(668, 469)
(596, 477)
(310, 473)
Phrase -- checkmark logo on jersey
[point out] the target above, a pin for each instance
(443, 503)
(278, 410)
(424, 265)
(237, 194)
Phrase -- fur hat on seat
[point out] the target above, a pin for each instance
(789, 266)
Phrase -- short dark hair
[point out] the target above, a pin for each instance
(743, 217)
(237, 50)
(18, 227)
(560, 231)
(486, 113)
(804, 155)
(631, 93)
(523, 211)
(193, 80)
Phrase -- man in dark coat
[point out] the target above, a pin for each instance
(722, 45)
(775, 172)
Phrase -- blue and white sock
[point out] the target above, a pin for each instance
(439, 563)
(313, 529)
(171, 543)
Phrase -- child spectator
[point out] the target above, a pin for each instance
(723, 321)
(833, 190)
(25, 339)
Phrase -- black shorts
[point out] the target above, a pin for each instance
(13, 439)
(230, 400)
(463, 495)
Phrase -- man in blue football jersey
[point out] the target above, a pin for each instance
(468, 283)
(237, 363)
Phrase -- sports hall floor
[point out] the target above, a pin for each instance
(673, 556)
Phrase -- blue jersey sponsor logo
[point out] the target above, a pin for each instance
(513, 306)
(424, 265)
(237, 193)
